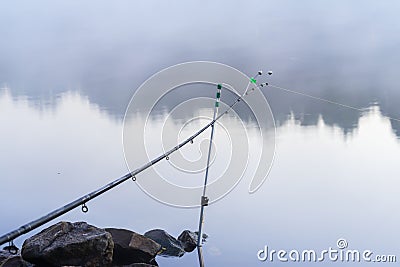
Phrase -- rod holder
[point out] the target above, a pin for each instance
(204, 201)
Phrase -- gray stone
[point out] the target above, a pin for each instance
(8, 259)
(170, 246)
(4, 254)
(131, 247)
(69, 244)
(188, 240)
(15, 261)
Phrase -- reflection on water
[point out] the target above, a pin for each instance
(322, 186)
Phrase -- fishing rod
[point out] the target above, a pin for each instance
(10, 236)
(204, 198)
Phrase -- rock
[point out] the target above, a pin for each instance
(188, 240)
(69, 244)
(15, 261)
(131, 247)
(170, 246)
(4, 254)
(8, 259)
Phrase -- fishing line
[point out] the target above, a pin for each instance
(326, 100)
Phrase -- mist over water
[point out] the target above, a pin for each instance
(340, 51)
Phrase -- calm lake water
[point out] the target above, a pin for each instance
(68, 71)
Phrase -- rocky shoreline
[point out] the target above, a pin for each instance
(82, 244)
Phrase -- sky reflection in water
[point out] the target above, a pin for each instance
(322, 185)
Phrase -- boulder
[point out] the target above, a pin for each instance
(170, 246)
(8, 259)
(69, 244)
(15, 261)
(131, 247)
(188, 240)
(4, 254)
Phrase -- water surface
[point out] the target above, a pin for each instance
(68, 70)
